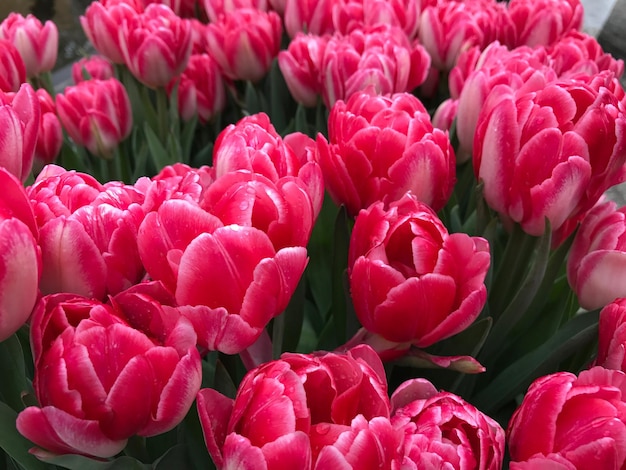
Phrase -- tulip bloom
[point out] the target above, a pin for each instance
(288, 410)
(411, 282)
(543, 22)
(156, 45)
(311, 16)
(216, 8)
(597, 259)
(577, 422)
(145, 388)
(244, 42)
(12, 70)
(612, 336)
(96, 114)
(20, 115)
(37, 43)
(97, 68)
(50, 139)
(416, 157)
(441, 430)
(20, 256)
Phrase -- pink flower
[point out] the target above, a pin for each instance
(411, 282)
(244, 42)
(577, 422)
(416, 156)
(50, 137)
(97, 67)
(37, 44)
(101, 23)
(12, 70)
(20, 115)
(90, 401)
(612, 336)
(20, 256)
(156, 45)
(287, 411)
(543, 22)
(577, 131)
(216, 8)
(441, 430)
(596, 261)
(309, 16)
(201, 89)
(96, 114)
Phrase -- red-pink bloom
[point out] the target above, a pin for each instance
(12, 70)
(597, 260)
(380, 147)
(101, 23)
(577, 422)
(20, 115)
(97, 67)
(92, 401)
(612, 336)
(253, 144)
(37, 43)
(448, 28)
(441, 430)
(550, 153)
(445, 114)
(50, 137)
(383, 58)
(182, 8)
(216, 8)
(411, 281)
(309, 16)
(96, 114)
(20, 256)
(287, 411)
(244, 42)
(543, 22)
(155, 44)
(201, 90)
(301, 65)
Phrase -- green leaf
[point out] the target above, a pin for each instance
(13, 373)
(13, 443)
(158, 153)
(80, 462)
(516, 378)
(290, 321)
(341, 242)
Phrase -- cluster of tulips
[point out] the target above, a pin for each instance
(313, 234)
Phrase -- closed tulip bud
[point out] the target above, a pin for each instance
(244, 42)
(417, 157)
(411, 281)
(12, 70)
(97, 68)
(96, 114)
(37, 43)
(156, 45)
(20, 256)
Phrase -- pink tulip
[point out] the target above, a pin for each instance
(579, 134)
(542, 23)
(201, 89)
(101, 23)
(156, 45)
(20, 256)
(145, 388)
(37, 43)
(96, 114)
(309, 16)
(244, 42)
(182, 8)
(12, 70)
(97, 67)
(441, 430)
(50, 139)
(216, 8)
(612, 336)
(575, 422)
(411, 282)
(416, 156)
(20, 115)
(596, 262)
(287, 411)
(445, 114)
(383, 58)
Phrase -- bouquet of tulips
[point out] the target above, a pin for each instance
(313, 234)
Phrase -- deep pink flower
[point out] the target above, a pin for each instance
(216, 8)
(543, 22)
(37, 43)
(12, 71)
(411, 281)
(309, 16)
(97, 67)
(380, 147)
(577, 422)
(612, 336)
(50, 139)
